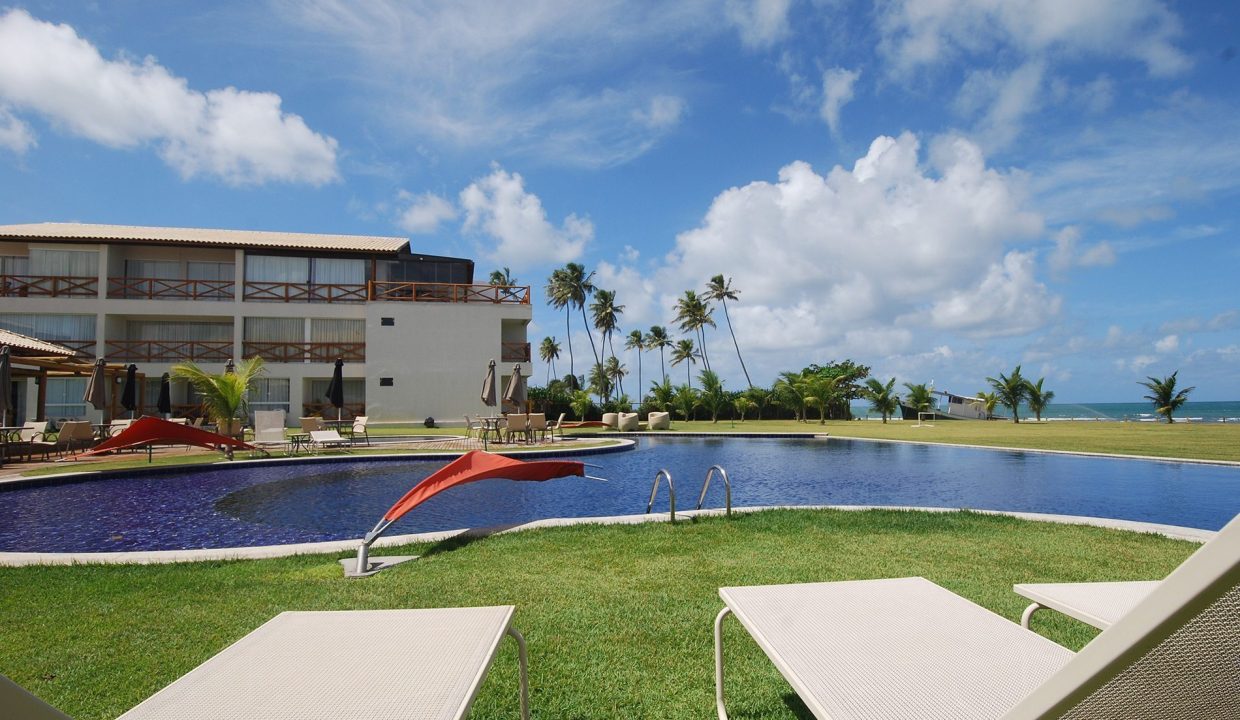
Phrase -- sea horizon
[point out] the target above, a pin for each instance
(1195, 411)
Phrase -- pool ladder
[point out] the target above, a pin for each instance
(671, 490)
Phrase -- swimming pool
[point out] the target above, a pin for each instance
(269, 505)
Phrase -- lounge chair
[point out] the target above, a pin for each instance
(1099, 604)
(116, 427)
(324, 439)
(311, 424)
(73, 434)
(909, 648)
(24, 444)
(557, 426)
(269, 429)
(377, 664)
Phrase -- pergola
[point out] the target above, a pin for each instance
(40, 359)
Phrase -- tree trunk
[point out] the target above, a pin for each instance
(734, 343)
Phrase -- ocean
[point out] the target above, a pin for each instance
(1224, 411)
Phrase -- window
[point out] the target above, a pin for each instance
(14, 265)
(196, 270)
(386, 382)
(64, 398)
(275, 330)
(52, 328)
(269, 394)
(271, 268)
(153, 269)
(335, 271)
(354, 393)
(337, 331)
(179, 331)
(64, 263)
(387, 322)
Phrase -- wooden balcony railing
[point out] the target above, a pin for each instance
(169, 350)
(48, 286)
(304, 292)
(514, 352)
(449, 293)
(170, 289)
(304, 352)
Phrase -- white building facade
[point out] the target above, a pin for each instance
(414, 331)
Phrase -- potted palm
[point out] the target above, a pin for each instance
(225, 397)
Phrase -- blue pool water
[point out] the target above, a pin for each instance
(263, 505)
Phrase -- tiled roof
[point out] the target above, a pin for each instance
(199, 236)
(25, 345)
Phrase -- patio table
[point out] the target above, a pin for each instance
(372, 664)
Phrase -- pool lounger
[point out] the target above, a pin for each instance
(372, 664)
(1099, 604)
(909, 648)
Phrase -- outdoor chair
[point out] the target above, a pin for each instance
(557, 426)
(517, 425)
(31, 433)
(376, 664)
(325, 439)
(658, 421)
(117, 427)
(909, 648)
(538, 426)
(359, 428)
(1099, 604)
(473, 429)
(311, 424)
(611, 420)
(269, 429)
(73, 434)
(627, 422)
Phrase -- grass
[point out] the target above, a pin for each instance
(618, 618)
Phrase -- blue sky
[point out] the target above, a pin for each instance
(940, 190)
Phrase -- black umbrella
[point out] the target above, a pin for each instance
(164, 404)
(335, 389)
(96, 387)
(6, 381)
(129, 392)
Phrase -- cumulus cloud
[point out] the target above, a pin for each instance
(15, 135)
(837, 91)
(1167, 344)
(761, 23)
(915, 33)
(423, 213)
(239, 136)
(499, 207)
(875, 255)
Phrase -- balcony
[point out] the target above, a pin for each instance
(169, 350)
(258, 291)
(48, 286)
(294, 352)
(170, 289)
(387, 291)
(514, 352)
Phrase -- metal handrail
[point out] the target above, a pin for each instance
(671, 492)
(727, 488)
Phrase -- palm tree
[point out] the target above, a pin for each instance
(560, 296)
(881, 399)
(1038, 398)
(225, 397)
(637, 341)
(713, 397)
(742, 405)
(502, 278)
(721, 290)
(549, 351)
(662, 395)
(1163, 394)
(683, 351)
(657, 339)
(693, 314)
(580, 403)
(615, 371)
(758, 397)
(580, 288)
(788, 392)
(1012, 390)
(607, 317)
(989, 402)
(820, 392)
(685, 400)
(919, 397)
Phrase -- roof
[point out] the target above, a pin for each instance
(26, 345)
(201, 236)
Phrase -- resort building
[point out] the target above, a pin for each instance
(414, 331)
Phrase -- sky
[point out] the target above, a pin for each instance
(938, 189)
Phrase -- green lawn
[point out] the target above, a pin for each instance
(618, 619)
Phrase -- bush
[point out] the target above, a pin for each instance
(429, 422)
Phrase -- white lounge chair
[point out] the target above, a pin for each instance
(908, 648)
(359, 428)
(375, 664)
(1099, 604)
(269, 429)
(324, 439)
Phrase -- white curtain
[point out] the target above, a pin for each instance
(270, 268)
(177, 331)
(64, 398)
(210, 271)
(50, 327)
(285, 330)
(153, 269)
(334, 271)
(269, 394)
(337, 331)
(64, 263)
(14, 265)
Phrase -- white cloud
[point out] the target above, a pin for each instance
(1067, 254)
(865, 257)
(1167, 344)
(499, 206)
(837, 91)
(423, 213)
(1138, 363)
(1006, 98)
(15, 135)
(664, 112)
(915, 33)
(761, 23)
(241, 137)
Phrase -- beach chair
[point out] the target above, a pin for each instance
(517, 425)
(311, 424)
(538, 426)
(375, 664)
(269, 429)
(116, 427)
(325, 439)
(1099, 604)
(909, 648)
(557, 426)
(73, 434)
(24, 444)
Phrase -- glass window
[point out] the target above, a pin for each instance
(210, 271)
(50, 327)
(276, 330)
(64, 398)
(336, 271)
(14, 265)
(270, 268)
(179, 331)
(354, 392)
(269, 394)
(337, 331)
(153, 269)
(64, 263)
